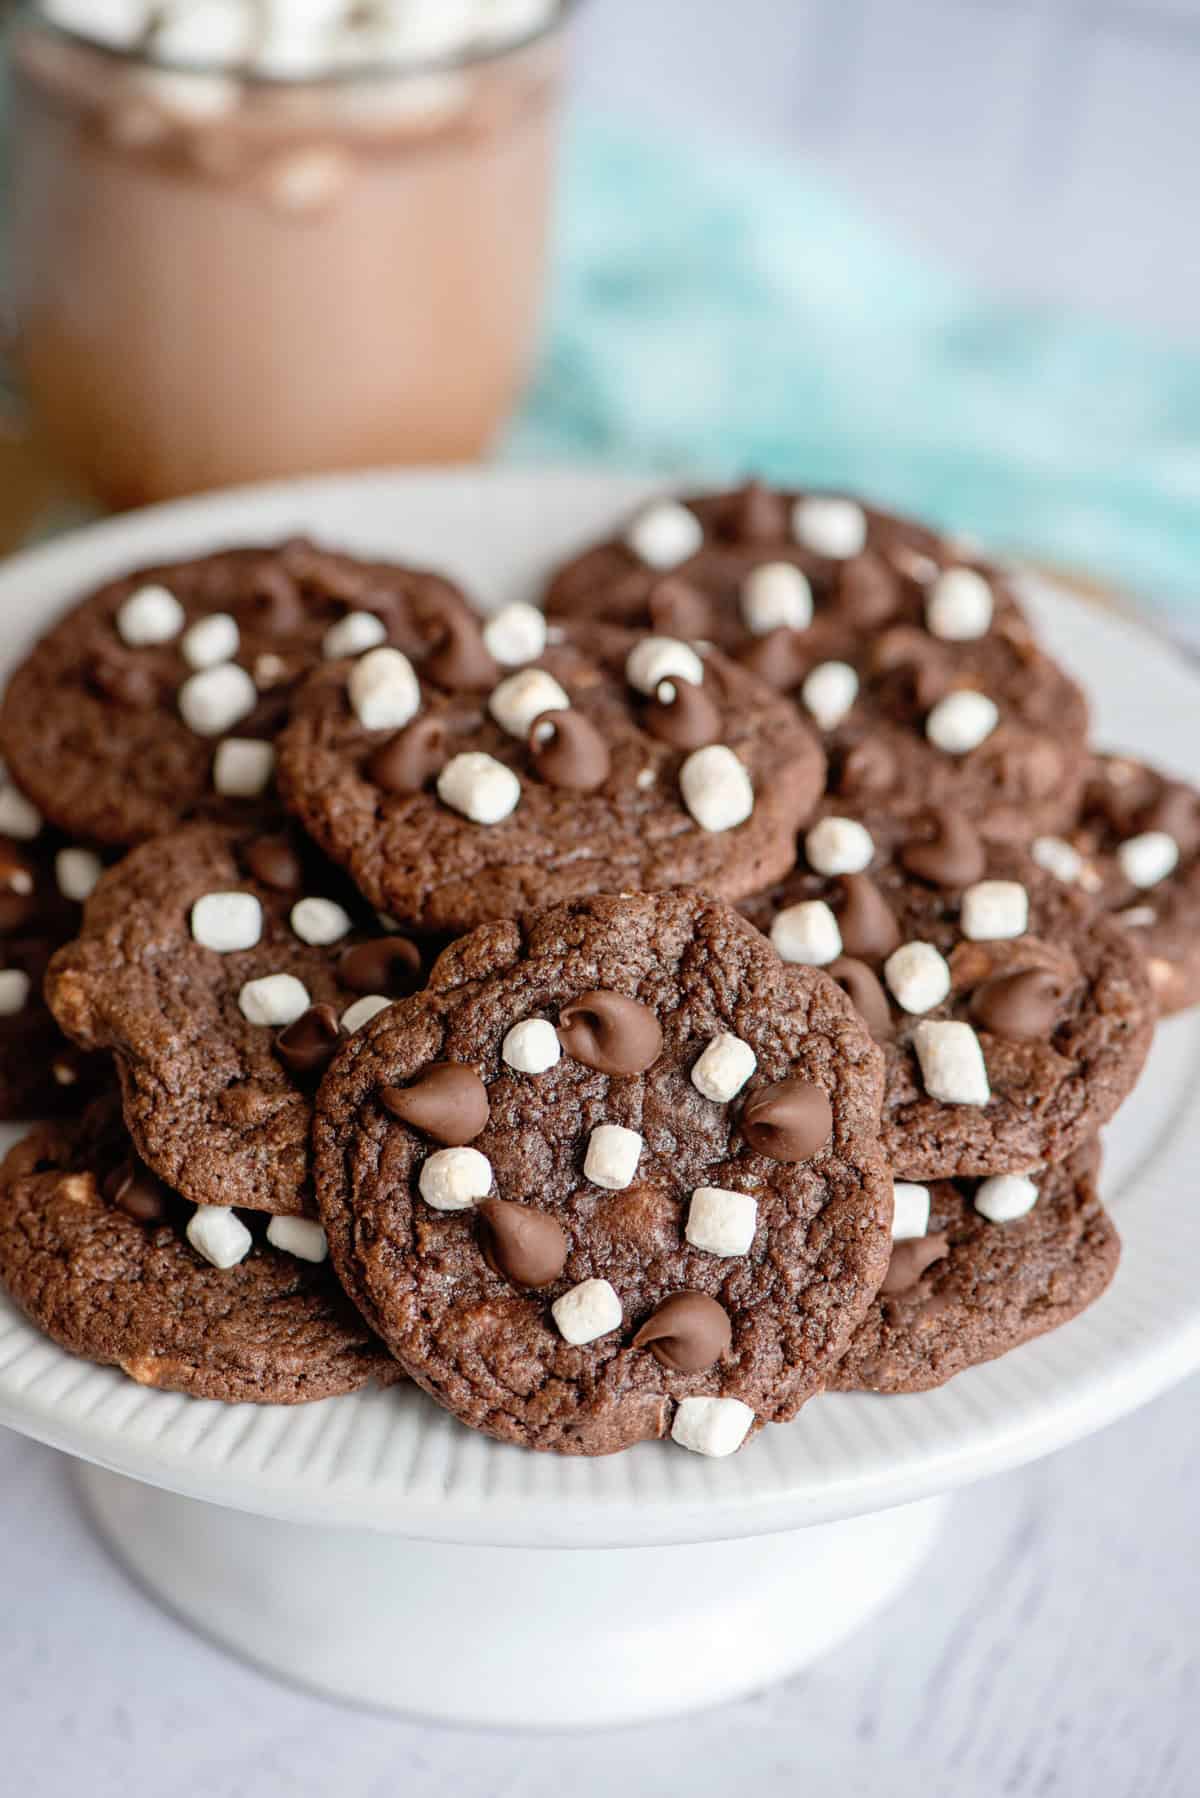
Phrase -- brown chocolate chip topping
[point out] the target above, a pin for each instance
(461, 661)
(136, 1191)
(449, 1103)
(676, 609)
(1176, 812)
(608, 1032)
(788, 1121)
(865, 994)
(410, 758)
(568, 751)
(780, 658)
(867, 923)
(867, 591)
(952, 856)
(869, 767)
(16, 910)
(120, 678)
(1023, 1007)
(683, 715)
(688, 1332)
(755, 514)
(308, 1045)
(910, 1260)
(389, 965)
(521, 1243)
(273, 861)
(274, 602)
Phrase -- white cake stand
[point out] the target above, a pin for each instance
(376, 1551)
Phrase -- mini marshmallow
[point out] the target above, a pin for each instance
(243, 767)
(776, 595)
(589, 1310)
(363, 1010)
(1149, 858)
(839, 846)
(612, 1156)
(721, 1222)
(711, 1426)
(532, 1046)
(150, 615)
(320, 921)
(656, 659)
(994, 911)
(829, 691)
(910, 1217)
(515, 635)
(524, 696)
(952, 1064)
(269, 669)
(384, 690)
(959, 606)
(211, 640)
(918, 976)
(77, 871)
(299, 1236)
(219, 1235)
(452, 1179)
(274, 1000)
(227, 921)
(479, 787)
(716, 788)
(117, 23)
(961, 722)
(665, 534)
(830, 526)
(14, 991)
(807, 933)
(1005, 1197)
(216, 699)
(353, 635)
(724, 1068)
(207, 33)
(18, 818)
(1058, 857)
(1136, 917)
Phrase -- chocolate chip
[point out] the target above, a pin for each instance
(274, 602)
(521, 1243)
(688, 719)
(309, 1044)
(867, 591)
(135, 1190)
(865, 994)
(449, 1103)
(866, 921)
(869, 767)
(389, 965)
(1021, 1007)
(910, 1260)
(568, 751)
(274, 862)
(1176, 811)
(788, 1121)
(781, 658)
(120, 678)
(16, 911)
(688, 1332)
(951, 856)
(410, 758)
(755, 514)
(676, 609)
(608, 1032)
(461, 662)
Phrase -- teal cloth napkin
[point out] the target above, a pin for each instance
(719, 313)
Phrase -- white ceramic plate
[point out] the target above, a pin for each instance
(394, 1461)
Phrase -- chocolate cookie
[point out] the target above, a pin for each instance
(978, 1267)
(1014, 1017)
(912, 656)
(611, 1177)
(100, 1256)
(1135, 849)
(611, 761)
(43, 881)
(157, 697)
(223, 968)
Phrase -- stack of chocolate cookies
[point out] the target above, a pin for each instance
(626, 1017)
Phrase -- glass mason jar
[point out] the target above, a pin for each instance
(217, 278)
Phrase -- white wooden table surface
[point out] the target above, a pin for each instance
(1052, 1647)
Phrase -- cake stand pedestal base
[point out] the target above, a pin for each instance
(503, 1637)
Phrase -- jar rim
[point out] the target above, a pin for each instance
(29, 13)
